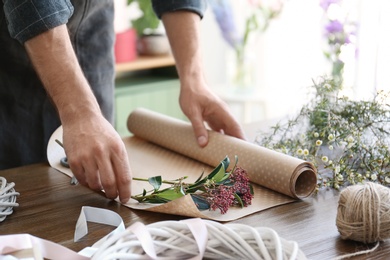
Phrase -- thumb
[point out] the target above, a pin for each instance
(200, 131)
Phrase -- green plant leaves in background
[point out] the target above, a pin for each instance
(149, 19)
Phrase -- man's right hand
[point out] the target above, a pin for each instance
(97, 156)
(96, 153)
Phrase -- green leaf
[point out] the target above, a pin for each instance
(148, 20)
(144, 192)
(227, 174)
(239, 200)
(156, 200)
(219, 172)
(226, 162)
(155, 182)
(224, 178)
(235, 163)
(217, 175)
(200, 177)
(171, 193)
(214, 172)
(220, 175)
(200, 202)
(251, 189)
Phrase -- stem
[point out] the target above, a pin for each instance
(163, 181)
(147, 198)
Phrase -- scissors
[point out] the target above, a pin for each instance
(64, 162)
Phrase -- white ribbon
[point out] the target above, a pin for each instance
(174, 239)
(48, 249)
(199, 231)
(96, 215)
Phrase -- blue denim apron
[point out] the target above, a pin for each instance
(27, 116)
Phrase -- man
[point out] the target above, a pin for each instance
(66, 47)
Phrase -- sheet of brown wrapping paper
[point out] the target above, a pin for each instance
(165, 146)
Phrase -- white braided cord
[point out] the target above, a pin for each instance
(174, 240)
(7, 198)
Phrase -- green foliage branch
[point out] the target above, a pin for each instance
(348, 141)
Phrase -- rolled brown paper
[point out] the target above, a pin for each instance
(167, 147)
(276, 171)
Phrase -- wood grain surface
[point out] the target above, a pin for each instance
(50, 206)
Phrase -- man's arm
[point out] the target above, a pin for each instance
(198, 103)
(96, 154)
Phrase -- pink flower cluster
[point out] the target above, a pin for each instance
(223, 196)
(242, 186)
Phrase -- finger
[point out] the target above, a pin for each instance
(92, 175)
(107, 176)
(78, 171)
(123, 175)
(234, 129)
(199, 129)
(228, 126)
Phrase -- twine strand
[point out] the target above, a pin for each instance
(7, 198)
(363, 252)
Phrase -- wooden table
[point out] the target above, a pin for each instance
(50, 206)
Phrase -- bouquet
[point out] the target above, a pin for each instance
(221, 189)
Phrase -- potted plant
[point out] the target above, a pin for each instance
(150, 40)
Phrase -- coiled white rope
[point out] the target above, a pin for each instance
(178, 240)
(7, 198)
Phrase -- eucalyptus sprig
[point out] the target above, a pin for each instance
(348, 141)
(220, 189)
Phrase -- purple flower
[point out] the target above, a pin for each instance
(241, 185)
(223, 13)
(221, 198)
(326, 3)
(347, 39)
(334, 27)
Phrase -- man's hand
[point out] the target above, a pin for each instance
(95, 152)
(198, 103)
(97, 156)
(201, 105)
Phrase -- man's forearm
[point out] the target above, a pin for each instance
(183, 32)
(54, 60)
(198, 103)
(96, 154)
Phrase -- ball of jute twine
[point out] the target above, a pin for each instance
(364, 213)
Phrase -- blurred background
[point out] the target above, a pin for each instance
(260, 56)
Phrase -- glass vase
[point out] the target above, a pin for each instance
(242, 76)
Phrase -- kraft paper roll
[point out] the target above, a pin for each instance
(166, 146)
(279, 172)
